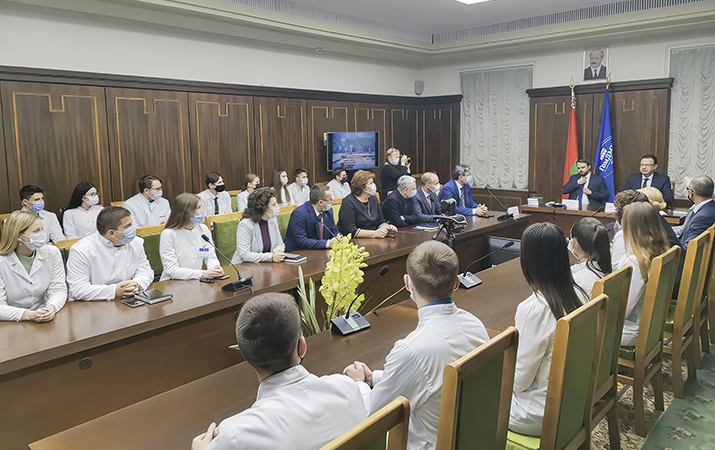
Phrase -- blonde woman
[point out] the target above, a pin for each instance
(183, 250)
(655, 197)
(644, 240)
(32, 275)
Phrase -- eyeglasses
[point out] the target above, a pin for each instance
(647, 165)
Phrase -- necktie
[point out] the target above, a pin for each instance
(580, 193)
(595, 73)
(645, 183)
(463, 198)
(320, 225)
(216, 205)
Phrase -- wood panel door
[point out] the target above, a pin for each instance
(221, 128)
(547, 153)
(4, 187)
(55, 137)
(372, 117)
(148, 135)
(440, 140)
(404, 126)
(281, 137)
(324, 117)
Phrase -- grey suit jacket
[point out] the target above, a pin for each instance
(249, 242)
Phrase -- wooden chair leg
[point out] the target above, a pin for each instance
(701, 338)
(677, 372)
(657, 382)
(705, 337)
(613, 433)
(639, 406)
(691, 360)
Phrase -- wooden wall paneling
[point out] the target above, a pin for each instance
(440, 139)
(372, 117)
(548, 131)
(508, 197)
(324, 117)
(4, 187)
(281, 140)
(404, 133)
(149, 135)
(55, 136)
(221, 129)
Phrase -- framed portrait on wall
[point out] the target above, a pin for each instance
(595, 63)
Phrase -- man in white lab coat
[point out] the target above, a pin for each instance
(415, 366)
(149, 208)
(294, 409)
(110, 263)
(33, 200)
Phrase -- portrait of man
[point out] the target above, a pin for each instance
(595, 61)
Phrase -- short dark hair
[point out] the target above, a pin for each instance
(583, 161)
(655, 160)
(625, 198)
(433, 268)
(146, 182)
(317, 193)
(298, 172)
(257, 204)
(268, 330)
(28, 191)
(109, 218)
(546, 267)
(212, 178)
(338, 171)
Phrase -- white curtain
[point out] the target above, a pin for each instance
(692, 115)
(495, 126)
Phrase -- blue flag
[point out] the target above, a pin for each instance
(604, 156)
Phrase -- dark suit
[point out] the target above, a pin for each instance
(599, 191)
(451, 190)
(394, 206)
(661, 182)
(697, 223)
(588, 73)
(303, 231)
(426, 206)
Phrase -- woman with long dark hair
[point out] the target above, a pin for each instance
(80, 217)
(279, 186)
(545, 264)
(590, 246)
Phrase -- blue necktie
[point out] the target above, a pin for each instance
(580, 193)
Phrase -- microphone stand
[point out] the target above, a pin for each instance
(350, 323)
(235, 286)
(506, 215)
(468, 280)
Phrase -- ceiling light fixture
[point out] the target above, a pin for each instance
(471, 2)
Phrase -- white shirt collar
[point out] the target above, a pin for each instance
(283, 378)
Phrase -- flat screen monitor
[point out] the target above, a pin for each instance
(352, 151)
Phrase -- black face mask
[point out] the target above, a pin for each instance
(690, 198)
(258, 186)
(220, 188)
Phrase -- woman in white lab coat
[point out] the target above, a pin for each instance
(32, 274)
(590, 245)
(545, 264)
(80, 217)
(185, 254)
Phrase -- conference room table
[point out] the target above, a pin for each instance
(170, 420)
(98, 357)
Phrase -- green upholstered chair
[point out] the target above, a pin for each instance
(567, 416)
(476, 396)
(152, 238)
(234, 201)
(336, 213)
(642, 363)
(616, 286)
(283, 220)
(371, 433)
(64, 247)
(223, 227)
(681, 330)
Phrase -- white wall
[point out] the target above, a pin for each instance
(31, 37)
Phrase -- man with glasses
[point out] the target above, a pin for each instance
(648, 177)
(398, 208)
(312, 225)
(148, 208)
(701, 215)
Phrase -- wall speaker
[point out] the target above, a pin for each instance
(419, 87)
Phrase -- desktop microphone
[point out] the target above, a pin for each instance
(322, 223)
(468, 280)
(242, 283)
(506, 215)
(600, 209)
(350, 323)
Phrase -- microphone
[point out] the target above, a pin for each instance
(602, 208)
(350, 323)
(468, 280)
(322, 224)
(506, 216)
(242, 283)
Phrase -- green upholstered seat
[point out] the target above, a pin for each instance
(151, 248)
(520, 442)
(225, 238)
(336, 213)
(283, 219)
(234, 202)
(628, 353)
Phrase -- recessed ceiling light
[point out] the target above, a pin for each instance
(471, 2)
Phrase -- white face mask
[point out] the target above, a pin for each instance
(93, 200)
(371, 189)
(396, 161)
(274, 213)
(436, 187)
(412, 194)
(305, 181)
(284, 180)
(158, 195)
(36, 241)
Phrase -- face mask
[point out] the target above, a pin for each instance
(412, 194)
(343, 179)
(158, 195)
(36, 241)
(220, 188)
(328, 207)
(93, 200)
(371, 189)
(198, 217)
(305, 181)
(436, 187)
(129, 235)
(469, 180)
(37, 206)
(257, 186)
(273, 214)
(570, 249)
(396, 161)
(284, 180)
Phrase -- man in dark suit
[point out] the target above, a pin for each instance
(311, 225)
(701, 215)
(425, 204)
(398, 206)
(596, 70)
(648, 177)
(458, 188)
(586, 187)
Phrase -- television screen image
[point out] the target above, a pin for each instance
(352, 151)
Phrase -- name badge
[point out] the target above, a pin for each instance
(204, 252)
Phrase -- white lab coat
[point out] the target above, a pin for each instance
(584, 277)
(79, 223)
(207, 202)
(95, 267)
(294, 410)
(146, 213)
(636, 297)
(415, 367)
(298, 195)
(183, 253)
(50, 226)
(249, 242)
(242, 201)
(339, 190)
(618, 252)
(43, 286)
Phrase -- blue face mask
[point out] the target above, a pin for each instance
(129, 235)
(198, 217)
(37, 207)
(328, 207)
(469, 180)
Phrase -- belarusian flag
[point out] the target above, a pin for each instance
(571, 146)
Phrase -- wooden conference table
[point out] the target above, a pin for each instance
(170, 420)
(98, 357)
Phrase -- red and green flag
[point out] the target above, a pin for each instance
(572, 145)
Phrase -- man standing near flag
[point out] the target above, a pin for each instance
(586, 187)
